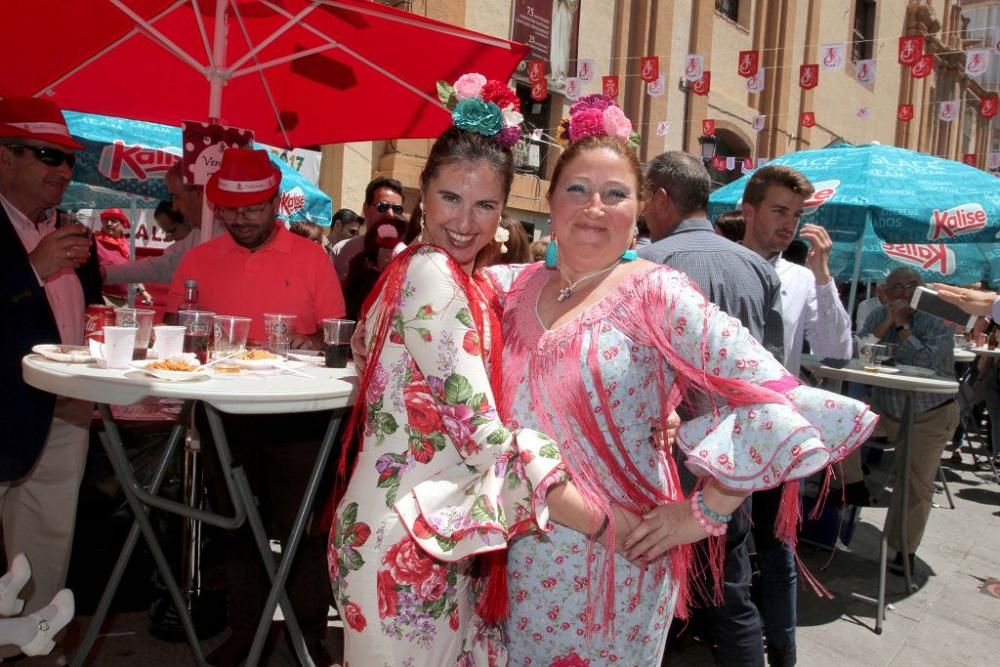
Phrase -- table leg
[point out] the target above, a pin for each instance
(904, 497)
(111, 440)
(242, 488)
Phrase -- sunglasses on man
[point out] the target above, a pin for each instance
(383, 206)
(51, 157)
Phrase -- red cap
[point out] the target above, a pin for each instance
(245, 177)
(115, 214)
(35, 118)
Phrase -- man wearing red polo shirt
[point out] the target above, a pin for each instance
(260, 267)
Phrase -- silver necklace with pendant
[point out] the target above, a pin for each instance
(567, 292)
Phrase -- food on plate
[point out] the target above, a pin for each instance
(179, 365)
(256, 355)
(223, 367)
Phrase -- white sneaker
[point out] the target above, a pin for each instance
(12, 583)
(48, 626)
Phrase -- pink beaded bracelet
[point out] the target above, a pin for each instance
(715, 530)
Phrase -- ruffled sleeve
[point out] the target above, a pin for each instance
(497, 488)
(780, 429)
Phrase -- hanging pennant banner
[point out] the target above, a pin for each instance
(704, 85)
(708, 127)
(755, 84)
(730, 163)
(718, 163)
(537, 133)
(649, 68)
(948, 110)
(609, 86)
(864, 72)
(540, 90)
(749, 63)
(585, 70)
(761, 161)
(994, 161)
(808, 76)
(747, 166)
(911, 47)
(573, 87)
(904, 113)
(977, 61)
(694, 67)
(832, 56)
(536, 71)
(988, 106)
(757, 123)
(662, 128)
(658, 87)
(923, 66)
(969, 159)
(807, 119)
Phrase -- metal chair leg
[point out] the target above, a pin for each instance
(944, 482)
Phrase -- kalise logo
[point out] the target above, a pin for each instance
(825, 190)
(962, 219)
(292, 202)
(930, 257)
(119, 162)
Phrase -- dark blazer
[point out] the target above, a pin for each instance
(26, 320)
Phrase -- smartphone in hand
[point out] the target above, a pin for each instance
(927, 300)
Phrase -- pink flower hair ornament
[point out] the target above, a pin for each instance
(486, 107)
(596, 115)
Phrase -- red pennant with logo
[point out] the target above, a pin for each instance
(808, 76)
(719, 163)
(536, 71)
(911, 48)
(708, 127)
(702, 85)
(649, 68)
(922, 67)
(748, 63)
(540, 90)
(969, 159)
(988, 106)
(904, 112)
(609, 86)
(807, 119)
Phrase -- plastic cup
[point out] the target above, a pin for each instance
(278, 329)
(142, 320)
(230, 335)
(337, 341)
(119, 342)
(199, 326)
(169, 341)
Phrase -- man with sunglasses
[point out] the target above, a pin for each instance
(257, 266)
(383, 198)
(48, 273)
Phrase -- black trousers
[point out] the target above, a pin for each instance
(277, 452)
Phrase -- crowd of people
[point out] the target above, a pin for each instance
(557, 444)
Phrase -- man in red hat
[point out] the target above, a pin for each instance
(48, 273)
(112, 249)
(259, 267)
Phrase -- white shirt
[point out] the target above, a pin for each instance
(159, 269)
(865, 308)
(813, 312)
(62, 288)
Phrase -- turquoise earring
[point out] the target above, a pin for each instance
(551, 255)
(629, 255)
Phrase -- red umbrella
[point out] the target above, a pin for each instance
(297, 72)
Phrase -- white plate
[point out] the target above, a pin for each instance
(173, 376)
(916, 371)
(74, 354)
(308, 356)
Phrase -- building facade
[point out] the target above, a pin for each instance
(614, 35)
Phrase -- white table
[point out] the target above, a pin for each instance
(909, 385)
(964, 355)
(324, 389)
(984, 351)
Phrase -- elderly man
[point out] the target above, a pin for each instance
(383, 198)
(259, 267)
(927, 341)
(743, 284)
(772, 207)
(48, 273)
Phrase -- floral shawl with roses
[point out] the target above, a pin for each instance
(438, 478)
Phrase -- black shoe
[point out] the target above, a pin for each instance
(956, 456)
(896, 566)
(857, 494)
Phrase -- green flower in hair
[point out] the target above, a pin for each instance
(474, 115)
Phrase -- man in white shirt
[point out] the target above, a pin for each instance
(868, 306)
(772, 207)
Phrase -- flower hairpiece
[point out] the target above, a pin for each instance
(596, 115)
(485, 107)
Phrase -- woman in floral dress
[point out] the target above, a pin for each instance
(439, 479)
(598, 348)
